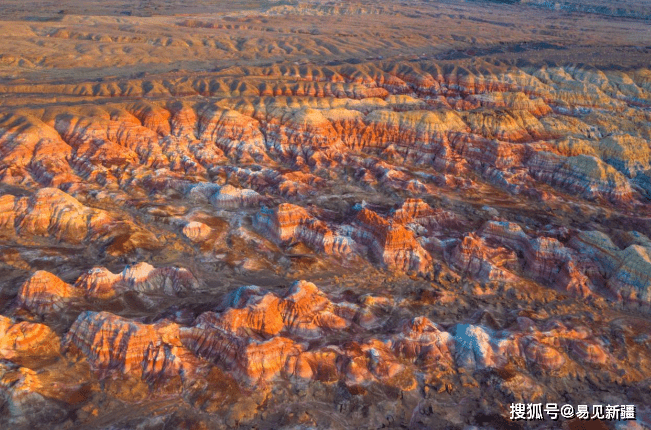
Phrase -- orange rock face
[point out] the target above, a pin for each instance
(545, 259)
(252, 337)
(113, 344)
(53, 213)
(317, 214)
(423, 342)
(416, 211)
(475, 257)
(25, 342)
(304, 311)
(45, 293)
(290, 223)
(390, 242)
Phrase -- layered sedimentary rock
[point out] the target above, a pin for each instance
(389, 242)
(584, 175)
(474, 347)
(632, 280)
(355, 363)
(226, 337)
(599, 248)
(422, 341)
(304, 310)
(28, 144)
(114, 344)
(196, 231)
(257, 336)
(251, 359)
(53, 213)
(27, 342)
(511, 100)
(625, 271)
(508, 233)
(302, 135)
(231, 197)
(546, 356)
(469, 210)
(545, 259)
(416, 211)
(252, 337)
(205, 156)
(224, 196)
(510, 126)
(550, 347)
(108, 145)
(545, 255)
(27, 397)
(292, 223)
(44, 292)
(143, 277)
(420, 136)
(236, 134)
(626, 153)
(56, 216)
(473, 256)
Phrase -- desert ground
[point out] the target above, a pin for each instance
(323, 214)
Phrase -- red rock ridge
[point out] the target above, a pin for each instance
(114, 344)
(391, 243)
(45, 293)
(292, 223)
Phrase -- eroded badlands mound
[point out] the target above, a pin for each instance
(323, 214)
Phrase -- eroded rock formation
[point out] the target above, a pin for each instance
(322, 215)
(44, 292)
